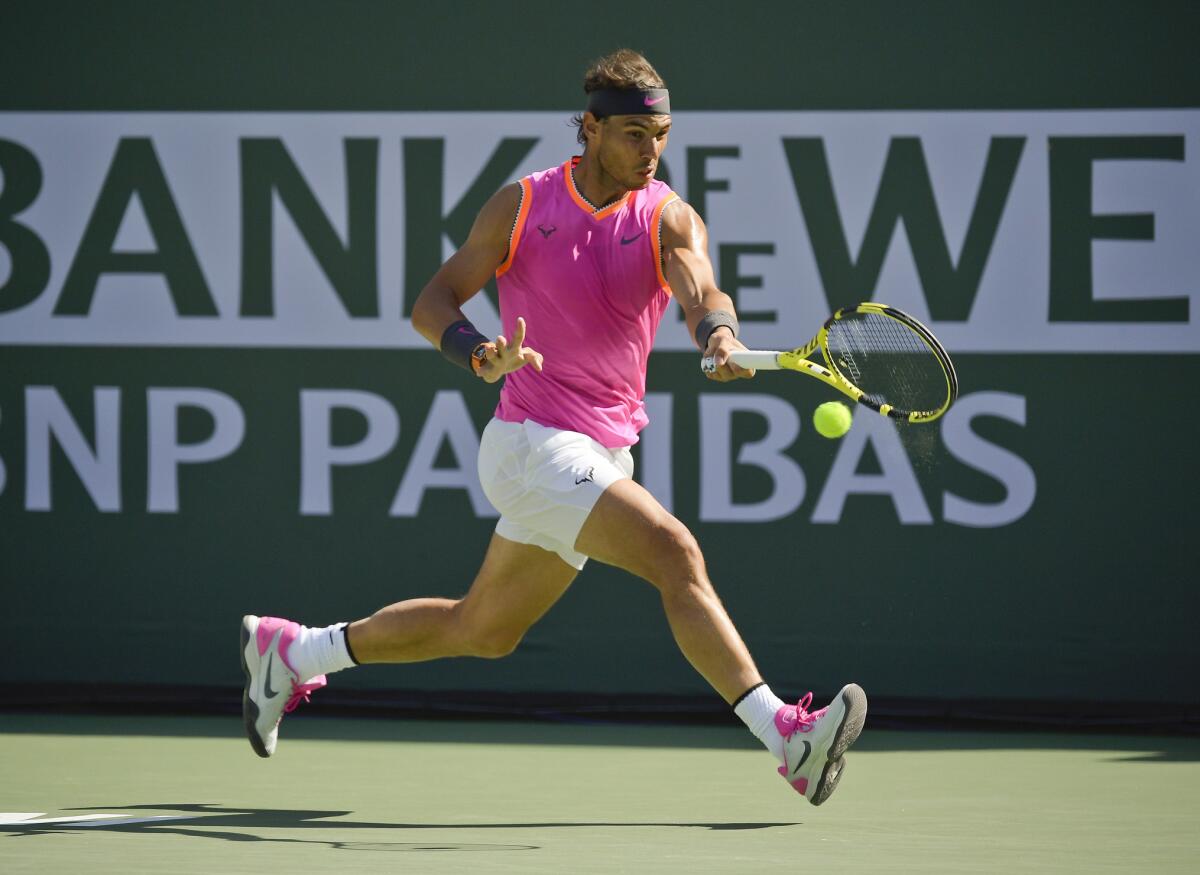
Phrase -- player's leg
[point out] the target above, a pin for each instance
(628, 528)
(284, 661)
(514, 588)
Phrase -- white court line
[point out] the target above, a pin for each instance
(35, 818)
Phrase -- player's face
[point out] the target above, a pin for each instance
(630, 146)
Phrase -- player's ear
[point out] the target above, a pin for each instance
(591, 126)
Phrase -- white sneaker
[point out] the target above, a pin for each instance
(814, 744)
(272, 686)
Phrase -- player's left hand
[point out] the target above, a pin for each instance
(505, 356)
(720, 344)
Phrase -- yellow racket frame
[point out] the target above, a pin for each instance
(829, 373)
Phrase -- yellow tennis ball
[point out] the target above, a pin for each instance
(832, 419)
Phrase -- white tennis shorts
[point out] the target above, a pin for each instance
(545, 481)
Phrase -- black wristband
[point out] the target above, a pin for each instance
(713, 320)
(459, 341)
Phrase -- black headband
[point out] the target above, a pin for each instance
(619, 101)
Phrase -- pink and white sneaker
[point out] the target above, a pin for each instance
(814, 744)
(272, 686)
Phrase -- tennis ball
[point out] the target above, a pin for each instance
(832, 419)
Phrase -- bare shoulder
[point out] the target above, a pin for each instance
(683, 227)
(501, 208)
(489, 238)
(495, 220)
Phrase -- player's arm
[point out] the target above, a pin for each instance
(711, 320)
(437, 313)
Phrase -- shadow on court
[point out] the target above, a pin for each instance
(212, 821)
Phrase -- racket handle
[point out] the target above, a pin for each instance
(759, 359)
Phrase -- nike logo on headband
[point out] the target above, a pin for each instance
(650, 101)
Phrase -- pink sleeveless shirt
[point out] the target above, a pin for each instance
(590, 286)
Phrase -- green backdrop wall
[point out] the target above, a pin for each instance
(1031, 547)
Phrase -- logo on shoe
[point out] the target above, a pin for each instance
(807, 751)
(267, 691)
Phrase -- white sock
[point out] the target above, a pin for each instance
(320, 651)
(757, 709)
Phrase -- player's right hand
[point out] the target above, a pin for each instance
(720, 345)
(504, 356)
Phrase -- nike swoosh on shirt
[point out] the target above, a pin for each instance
(807, 751)
(271, 694)
(625, 241)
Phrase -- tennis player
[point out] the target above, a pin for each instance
(587, 256)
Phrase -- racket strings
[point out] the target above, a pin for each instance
(889, 361)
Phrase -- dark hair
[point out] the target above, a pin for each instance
(625, 70)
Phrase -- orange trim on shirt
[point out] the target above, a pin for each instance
(579, 199)
(656, 237)
(518, 225)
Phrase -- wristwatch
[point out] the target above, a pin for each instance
(478, 357)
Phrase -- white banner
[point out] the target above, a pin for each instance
(1071, 231)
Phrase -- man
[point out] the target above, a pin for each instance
(587, 256)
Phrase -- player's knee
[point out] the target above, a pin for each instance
(489, 642)
(677, 558)
(495, 645)
(479, 633)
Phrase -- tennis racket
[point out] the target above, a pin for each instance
(880, 356)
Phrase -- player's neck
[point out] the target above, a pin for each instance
(596, 186)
